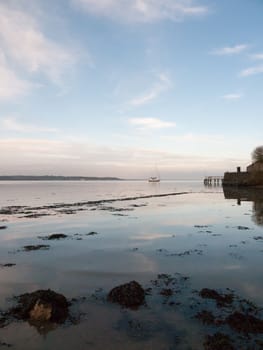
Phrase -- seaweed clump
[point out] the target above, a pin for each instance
(41, 306)
(221, 299)
(244, 323)
(130, 295)
(218, 341)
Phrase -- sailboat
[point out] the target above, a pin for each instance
(154, 178)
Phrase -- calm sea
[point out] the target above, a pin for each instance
(48, 192)
(212, 237)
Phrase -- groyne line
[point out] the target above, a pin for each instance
(97, 202)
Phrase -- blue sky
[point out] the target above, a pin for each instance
(113, 87)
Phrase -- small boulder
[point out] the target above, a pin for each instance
(130, 295)
(42, 306)
(41, 312)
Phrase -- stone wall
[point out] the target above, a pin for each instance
(254, 178)
(258, 166)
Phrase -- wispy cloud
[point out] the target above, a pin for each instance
(151, 123)
(158, 87)
(11, 85)
(143, 10)
(11, 124)
(26, 45)
(231, 50)
(257, 56)
(252, 71)
(45, 156)
(232, 97)
(194, 138)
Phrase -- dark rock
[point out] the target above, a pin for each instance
(67, 211)
(244, 323)
(130, 295)
(243, 228)
(29, 248)
(41, 306)
(35, 215)
(7, 265)
(57, 236)
(7, 345)
(3, 227)
(218, 341)
(258, 238)
(221, 299)
(92, 233)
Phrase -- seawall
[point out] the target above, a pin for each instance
(254, 178)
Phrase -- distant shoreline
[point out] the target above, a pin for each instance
(77, 178)
(56, 178)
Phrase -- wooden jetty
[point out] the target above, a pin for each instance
(213, 180)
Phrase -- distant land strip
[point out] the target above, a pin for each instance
(55, 178)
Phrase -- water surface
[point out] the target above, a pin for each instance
(210, 236)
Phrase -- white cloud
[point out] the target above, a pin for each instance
(26, 45)
(142, 10)
(252, 71)
(160, 86)
(150, 123)
(257, 56)
(10, 84)
(228, 51)
(11, 124)
(233, 96)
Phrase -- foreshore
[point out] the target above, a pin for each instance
(190, 254)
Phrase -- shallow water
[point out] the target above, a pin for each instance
(206, 234)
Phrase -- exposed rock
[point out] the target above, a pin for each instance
(243, 228)
(11, 209)
(3, 227)
(4, 344)
(218, 341)
(35, 215)
(258, 238)
(56, 236)
(7, 265)
(41, 306)
(130, 295)
(41, 312)
(29, 248)
(92, 233)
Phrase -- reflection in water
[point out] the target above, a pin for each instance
(254, 195)
(165, 240)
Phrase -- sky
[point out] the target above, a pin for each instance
(119, 87)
